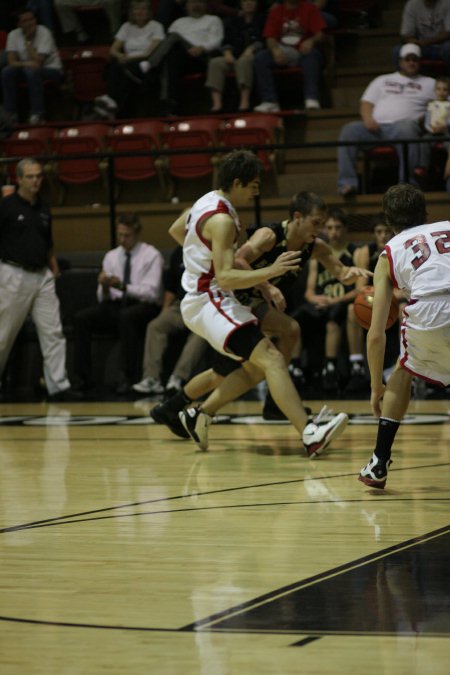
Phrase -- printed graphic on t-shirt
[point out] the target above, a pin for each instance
(292, 33)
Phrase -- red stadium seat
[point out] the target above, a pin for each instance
(138, 136)
(187, 136)
(380, 168)
(85, 68)
(84, 139)
(248, 131)
(32, 142)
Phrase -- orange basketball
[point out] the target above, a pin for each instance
(363, 308)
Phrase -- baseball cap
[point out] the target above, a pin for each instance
(410, 48)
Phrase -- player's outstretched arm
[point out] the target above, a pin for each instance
(220, 230)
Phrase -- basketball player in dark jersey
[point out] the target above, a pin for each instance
(299, 233)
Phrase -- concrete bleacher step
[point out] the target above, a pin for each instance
(348, 96)
(350, 76)
(289, 184)
(369, 47)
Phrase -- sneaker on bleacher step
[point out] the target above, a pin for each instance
(106, 102)
(174, 385)
(312, 104)
(149, 385)
(267, 107)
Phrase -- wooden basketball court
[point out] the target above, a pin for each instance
(125, 550)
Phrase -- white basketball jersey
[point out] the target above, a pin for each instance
(199, 276)
(419, 260)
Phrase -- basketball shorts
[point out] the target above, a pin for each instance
(215, 318)
(425, 341)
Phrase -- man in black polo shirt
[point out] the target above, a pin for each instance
(28, 268)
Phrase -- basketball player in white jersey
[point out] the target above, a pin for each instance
(209, 237)
(416, 260)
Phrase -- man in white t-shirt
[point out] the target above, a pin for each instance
(417, 261)
(190, 42)
(391, 108)
(128, 76)
(32, 58)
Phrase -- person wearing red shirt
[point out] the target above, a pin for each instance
(292, 32)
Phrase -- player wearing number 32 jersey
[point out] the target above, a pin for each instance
(419, 264)
(416, 260)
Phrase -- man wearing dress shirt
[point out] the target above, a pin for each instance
(129, 295)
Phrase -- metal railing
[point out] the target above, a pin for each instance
(110, 158)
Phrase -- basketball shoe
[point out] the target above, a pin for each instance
(163, 414)
(375, 473)
(317, 436)
(196, 423)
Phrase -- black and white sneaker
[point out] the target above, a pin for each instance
(317, 436)
(164, 415)
(196, 423)
(374, 474)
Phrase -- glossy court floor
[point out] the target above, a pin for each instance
(125, 550)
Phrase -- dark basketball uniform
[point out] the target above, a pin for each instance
(252, 297)
(333, 288)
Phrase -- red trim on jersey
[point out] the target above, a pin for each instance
(220, 208)
(391, 265)
(204, 241)
(217, 304)
(204, 280)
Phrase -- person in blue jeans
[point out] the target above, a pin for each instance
(391, 108)
(32, 57)
(43, 10)
(293, 31)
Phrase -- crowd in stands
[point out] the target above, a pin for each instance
(155, 45)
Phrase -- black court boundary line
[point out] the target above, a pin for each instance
(224, 507)
(313, 580)
(63, 520)
(201, 626)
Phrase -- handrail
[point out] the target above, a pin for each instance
(110, 157)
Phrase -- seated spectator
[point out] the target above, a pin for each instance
(128, 74)
(129, 296)
(327, 301)
(427, 24)
(43, 10)
(191, 40)
(437, 124)
(243, 37)
(292, 31)
(169, 322)
(32, 58)
(70, 22)
(391, 108)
